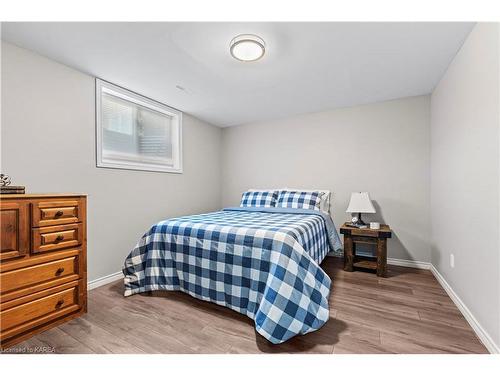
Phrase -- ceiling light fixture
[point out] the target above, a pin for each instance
(247, 47)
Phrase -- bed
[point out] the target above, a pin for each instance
(262, 262)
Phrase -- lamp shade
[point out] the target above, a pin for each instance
(361, 203)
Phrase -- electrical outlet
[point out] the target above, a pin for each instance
(452, 261)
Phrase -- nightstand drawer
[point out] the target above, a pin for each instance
(54, 238)
(365, 232)
(56, 212)
(364, 239)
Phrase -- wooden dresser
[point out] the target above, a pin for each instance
(43, 263)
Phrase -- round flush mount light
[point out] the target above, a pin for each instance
(247, 47)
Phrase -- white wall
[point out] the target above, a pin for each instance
(381, 148)
(48, 127)
(465, 176)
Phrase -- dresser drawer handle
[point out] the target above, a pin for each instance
(59, 271)
(59, 304)
(59, 238)
(58, 213)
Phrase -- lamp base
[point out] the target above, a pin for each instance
(360, 221)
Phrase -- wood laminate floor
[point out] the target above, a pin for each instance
(407, 312)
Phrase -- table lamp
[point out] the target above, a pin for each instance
(360, 203)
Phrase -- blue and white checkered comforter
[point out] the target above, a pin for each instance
(261, 262)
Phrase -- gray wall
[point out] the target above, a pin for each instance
(381, 148)
(48, 127)
(465, 176)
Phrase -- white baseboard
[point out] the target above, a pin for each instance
(104, 280)
(409, 263)
(397, 262)
(478, 329)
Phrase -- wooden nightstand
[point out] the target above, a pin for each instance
(377, 237)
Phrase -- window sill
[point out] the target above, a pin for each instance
(140, 167)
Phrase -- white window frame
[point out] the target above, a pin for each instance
(122, 161)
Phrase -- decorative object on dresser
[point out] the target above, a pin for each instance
(360, 203)
(43, 263)
(4, 180)
(377, 237)
(6, 188)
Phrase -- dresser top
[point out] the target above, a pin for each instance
(41, 195)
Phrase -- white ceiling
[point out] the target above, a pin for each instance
(307, 67)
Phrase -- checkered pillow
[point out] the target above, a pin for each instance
(259, 199)
(300, 199)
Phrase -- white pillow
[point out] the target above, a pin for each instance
(324, 205)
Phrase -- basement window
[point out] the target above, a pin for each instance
(135, 132)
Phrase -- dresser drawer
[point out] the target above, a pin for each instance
(56, 237)
(39, 311)
(57, 212)
(62, 270)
